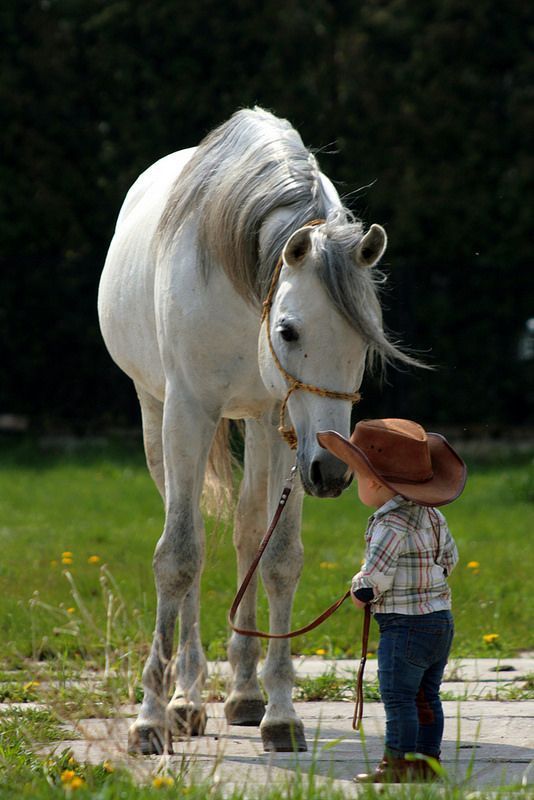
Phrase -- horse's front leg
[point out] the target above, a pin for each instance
(281, 729)
(245, 704)
(187, 434)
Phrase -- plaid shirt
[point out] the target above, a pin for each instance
(405, 564)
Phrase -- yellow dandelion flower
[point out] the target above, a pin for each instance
(108, 766)
(67, 775)
(76, 782)
(490, 638)
(93, 559)
(66, 560)
(66, 554)
(72, 761)
(162, 781)
(327, 565)
(473, 565)
(71, 610)
(320, 652)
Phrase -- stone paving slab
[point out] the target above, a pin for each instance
(494, 739)
(461, 669)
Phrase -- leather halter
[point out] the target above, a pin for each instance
(289, 433)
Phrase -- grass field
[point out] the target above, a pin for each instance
(98, 504)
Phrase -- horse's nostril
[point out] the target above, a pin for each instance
(315, 473)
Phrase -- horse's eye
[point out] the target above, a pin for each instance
(288, 332)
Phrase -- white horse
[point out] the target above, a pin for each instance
(195, 247)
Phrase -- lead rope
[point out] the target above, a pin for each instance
(358, 706)
(289, 433)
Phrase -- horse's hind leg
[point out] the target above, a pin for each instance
(245, 704)
(187, 435)
(152, 416)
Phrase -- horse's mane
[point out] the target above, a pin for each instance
(242, 171)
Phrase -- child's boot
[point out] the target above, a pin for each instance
(390, 770)
(425, 771)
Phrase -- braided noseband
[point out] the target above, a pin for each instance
(289, 434)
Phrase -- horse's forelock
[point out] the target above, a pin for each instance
(354, 290)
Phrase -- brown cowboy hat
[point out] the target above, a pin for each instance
(420, 466)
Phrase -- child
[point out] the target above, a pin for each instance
(404, 472)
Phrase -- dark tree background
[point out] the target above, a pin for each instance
(420, 110)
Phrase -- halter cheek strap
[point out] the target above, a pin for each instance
(289, 433)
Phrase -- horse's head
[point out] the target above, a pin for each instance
(323, 318)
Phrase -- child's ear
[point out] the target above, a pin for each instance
(375, 484)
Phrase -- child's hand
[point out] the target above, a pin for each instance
(357, 603)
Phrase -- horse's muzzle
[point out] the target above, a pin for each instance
(325, 476)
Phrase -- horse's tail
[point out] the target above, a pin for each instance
(219, 484)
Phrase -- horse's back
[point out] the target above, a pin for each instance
(126, 292)
(152, 187)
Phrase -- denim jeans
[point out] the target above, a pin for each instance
(412, 656)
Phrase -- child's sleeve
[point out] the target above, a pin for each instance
(381, 561)
(449, 557)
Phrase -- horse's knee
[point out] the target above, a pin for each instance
(281, 570)
(176, 569)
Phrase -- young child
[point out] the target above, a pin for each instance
(404, 472)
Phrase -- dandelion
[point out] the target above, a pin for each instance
(67, 554)
(72, 761)
(320, 652)
(66, 560)
(490, 638)
(107, 766)
(93, 559)
(67, 775)
(328, 565)
(76, 782)
(473, 564)
(162, 781)
(71, 610)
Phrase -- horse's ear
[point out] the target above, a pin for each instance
(371, 247)
(297, 248)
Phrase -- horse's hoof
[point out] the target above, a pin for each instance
(148, 740)
(187, 719)
(284, 737)
(244, 712)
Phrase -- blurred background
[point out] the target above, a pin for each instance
(420, 111)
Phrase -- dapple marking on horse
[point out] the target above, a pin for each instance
(196, 243)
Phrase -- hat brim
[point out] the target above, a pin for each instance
(449, 471)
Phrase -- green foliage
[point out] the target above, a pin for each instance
(333, 687)
(428, 102)
(99, 501)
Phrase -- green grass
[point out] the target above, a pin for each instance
(99, 500)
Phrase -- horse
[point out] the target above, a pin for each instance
(192, 259)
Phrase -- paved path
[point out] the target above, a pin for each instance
(493, 739)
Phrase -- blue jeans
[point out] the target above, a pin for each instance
(412, 656)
